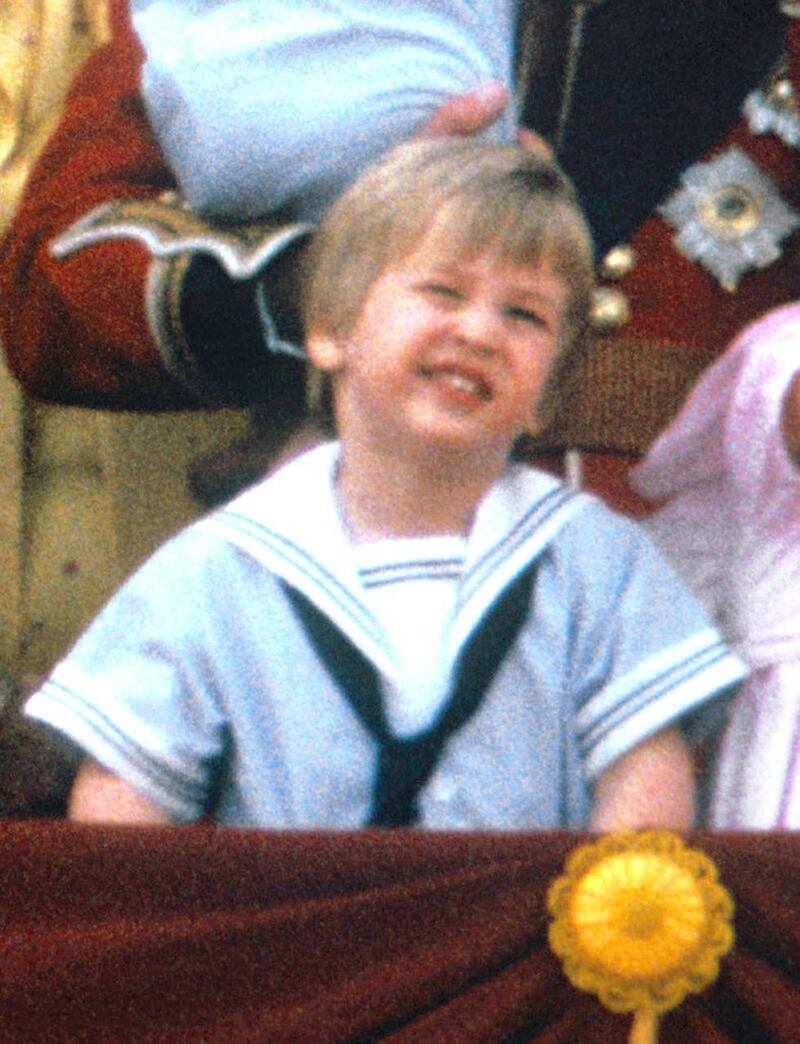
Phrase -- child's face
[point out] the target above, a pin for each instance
(447, 351)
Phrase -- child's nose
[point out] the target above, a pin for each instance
(479, 325)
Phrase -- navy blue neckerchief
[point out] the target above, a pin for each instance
(405, 764)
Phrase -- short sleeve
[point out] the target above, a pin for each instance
(136, 693)
(644, 654)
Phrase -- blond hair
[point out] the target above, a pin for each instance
(503, 199)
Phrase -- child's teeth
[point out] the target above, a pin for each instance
(459, 381)
(463, 383)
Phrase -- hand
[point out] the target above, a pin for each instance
(466, 114)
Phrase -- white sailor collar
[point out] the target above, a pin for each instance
(291, 524)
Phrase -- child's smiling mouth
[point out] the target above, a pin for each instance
(462, 382)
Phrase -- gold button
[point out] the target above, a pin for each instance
(610, 309)
(618, 262)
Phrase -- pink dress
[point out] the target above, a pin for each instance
(730, 523)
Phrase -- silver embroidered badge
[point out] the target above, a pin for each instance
(729, 216)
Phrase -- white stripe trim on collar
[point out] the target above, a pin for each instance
(310, 549)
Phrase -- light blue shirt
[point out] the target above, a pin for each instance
(273, 106)
(200, 660)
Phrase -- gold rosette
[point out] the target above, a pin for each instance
(640, 920)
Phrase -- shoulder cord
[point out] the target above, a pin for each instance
(542, 20)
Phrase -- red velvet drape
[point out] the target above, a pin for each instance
(206, 935)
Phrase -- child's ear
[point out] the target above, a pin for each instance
(325, 352)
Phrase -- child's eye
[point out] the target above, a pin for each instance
(526, 315)
(441, 290)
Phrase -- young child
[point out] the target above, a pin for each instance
(728, 469)
(403, 627)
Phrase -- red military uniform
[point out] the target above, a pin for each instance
(93, 313)
(101, 149)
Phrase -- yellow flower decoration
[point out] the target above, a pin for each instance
(640, 920)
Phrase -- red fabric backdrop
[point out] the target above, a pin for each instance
(197, 934)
